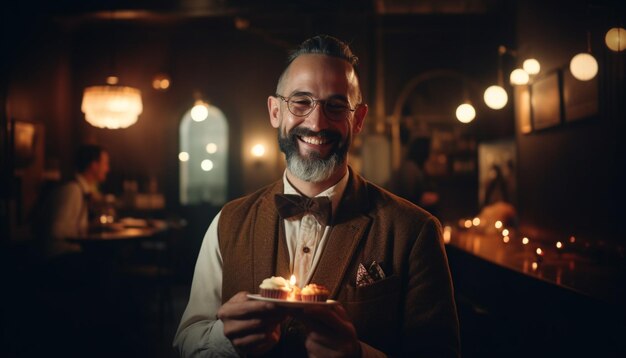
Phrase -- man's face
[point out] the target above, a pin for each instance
(315, 146)
(101, 167)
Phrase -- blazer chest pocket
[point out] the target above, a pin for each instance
(375, 310)
(373, 292)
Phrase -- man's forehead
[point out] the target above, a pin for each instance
(311, 68)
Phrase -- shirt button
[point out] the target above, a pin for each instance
(306, 250)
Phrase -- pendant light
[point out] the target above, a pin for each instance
(111, 106)
(584, 66)
(495, 96)
(615, 39)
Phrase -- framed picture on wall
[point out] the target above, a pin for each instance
(545, 102)
(24, 139)
(580, 98)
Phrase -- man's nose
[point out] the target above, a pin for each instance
(317, 119)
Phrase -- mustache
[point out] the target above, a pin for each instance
(305, 132)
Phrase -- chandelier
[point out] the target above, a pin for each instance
(111, 106)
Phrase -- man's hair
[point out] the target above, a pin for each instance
(321, 45)
(325, 45)
(87, 154)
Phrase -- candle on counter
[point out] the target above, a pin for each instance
(559, 248)
(447, 234)
(539, 254)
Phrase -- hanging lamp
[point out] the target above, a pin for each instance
(111, 106)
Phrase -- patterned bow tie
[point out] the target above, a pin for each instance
(289, 205)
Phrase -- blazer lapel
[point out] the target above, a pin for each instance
(349, 226)
(265, 244)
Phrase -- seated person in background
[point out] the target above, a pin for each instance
(69, 204)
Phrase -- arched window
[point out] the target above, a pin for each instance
(203, 158)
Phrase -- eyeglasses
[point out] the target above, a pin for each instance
(301, 105)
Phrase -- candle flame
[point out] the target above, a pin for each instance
(292, 280)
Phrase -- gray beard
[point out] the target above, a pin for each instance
(312, 168)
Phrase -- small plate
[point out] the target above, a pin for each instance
(292, 303)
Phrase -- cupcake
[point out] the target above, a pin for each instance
(314, 293)
(275, 287)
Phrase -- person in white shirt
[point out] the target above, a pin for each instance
(408, 311)
(70, 203)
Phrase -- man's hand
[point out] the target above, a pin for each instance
(330, 332)
(253, 327)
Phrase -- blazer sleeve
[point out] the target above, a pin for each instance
(430, 327)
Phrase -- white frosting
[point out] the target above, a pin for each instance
(275, 282)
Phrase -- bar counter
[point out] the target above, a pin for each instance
(515, 300)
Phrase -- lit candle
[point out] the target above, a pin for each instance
(292, 288)
(506, 239)
(447, 234)
(539, 254)
(498, 224)
(505, 232)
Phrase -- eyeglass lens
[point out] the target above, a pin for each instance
(334, 108)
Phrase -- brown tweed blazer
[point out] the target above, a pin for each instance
(409, 313)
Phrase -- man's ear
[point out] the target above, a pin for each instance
(273, 106)
(359, 118)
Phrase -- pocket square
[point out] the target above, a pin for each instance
(370, 275)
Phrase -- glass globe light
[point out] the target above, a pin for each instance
(465, 113)
(199, 112)
(519, 77)
(531, 66)
(495, 97)
(583, 66)
(615, 39)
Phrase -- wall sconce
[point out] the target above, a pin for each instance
(615, 39)
(531, 66)
(519, 77)
(161, 82)
(258, 151)
(583, 65)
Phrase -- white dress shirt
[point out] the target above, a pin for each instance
(200, 333)
(69, 211)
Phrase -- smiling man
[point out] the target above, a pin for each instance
(380, 256)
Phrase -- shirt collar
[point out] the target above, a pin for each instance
(85, 186)
(334, 193)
